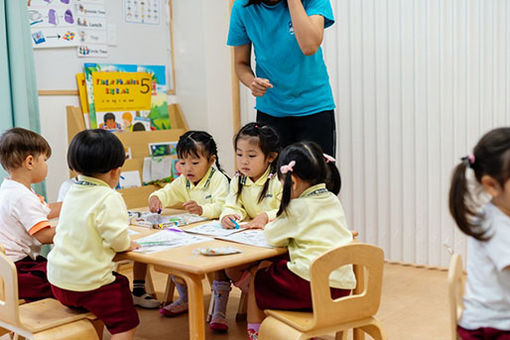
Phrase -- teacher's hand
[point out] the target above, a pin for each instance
(259, 86)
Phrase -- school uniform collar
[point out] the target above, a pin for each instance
(204, 182)
(261, 181)
(92, 181)
(315, 190)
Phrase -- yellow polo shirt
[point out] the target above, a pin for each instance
(248, 206)
(92, 227)
(314, 224)
(209, 193)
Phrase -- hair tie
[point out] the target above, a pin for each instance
(469, 160)
(287, 168)
(328, 158)
(270, 175)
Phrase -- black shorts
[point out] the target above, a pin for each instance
(318, 127)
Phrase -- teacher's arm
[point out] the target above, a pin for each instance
(242, 60)
(309, 30)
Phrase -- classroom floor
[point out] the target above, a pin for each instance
(414, 306)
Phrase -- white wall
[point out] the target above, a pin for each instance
(203, 85)
(416, 84)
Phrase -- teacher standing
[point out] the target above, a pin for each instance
(291, 82)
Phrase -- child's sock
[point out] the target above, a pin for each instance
(141, 298)
(183, 291)
(253, 331)
(180, 305)
(220, 290)
(138, 287)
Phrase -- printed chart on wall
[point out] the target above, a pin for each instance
(142, 12)
(52, 23)
(69, 33)
(69, 23)
(126, 97)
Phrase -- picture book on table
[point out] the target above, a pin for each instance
(118, 89)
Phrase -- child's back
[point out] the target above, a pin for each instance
(314, 223)
(93, 226)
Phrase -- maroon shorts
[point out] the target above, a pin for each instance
(32, 281)
(112, 304)
(276, 287)
(483, 333)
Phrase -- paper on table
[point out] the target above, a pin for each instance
(252, 237)
(167, 239)
(213, 228)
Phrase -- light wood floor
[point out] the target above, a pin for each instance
(414, 306)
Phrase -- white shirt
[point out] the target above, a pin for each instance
(487, 298)
(64, 188)
(22, 214)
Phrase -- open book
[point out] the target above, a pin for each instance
(253, 237)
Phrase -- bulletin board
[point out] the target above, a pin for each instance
(128, 43)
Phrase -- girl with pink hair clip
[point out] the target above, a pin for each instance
(310, 222)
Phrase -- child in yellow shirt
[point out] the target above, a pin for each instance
(92, 228)
(311, 182)
(254, 194)
(201, 189)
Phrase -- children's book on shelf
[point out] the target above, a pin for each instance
(167, 239)
(158, 221)
(119, 88)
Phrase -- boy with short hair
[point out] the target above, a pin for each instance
(24, 225)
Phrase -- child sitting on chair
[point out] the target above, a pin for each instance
(201, 189)
(92, 228)
(24, 215)
(310, 222)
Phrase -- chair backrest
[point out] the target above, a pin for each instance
(9, 311)
(326, 311)
(455, 292)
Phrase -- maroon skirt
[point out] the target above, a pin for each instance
(483, 333)
(276, 287)
(32, 281)
(112, 304)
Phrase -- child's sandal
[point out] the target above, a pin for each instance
(173, 309)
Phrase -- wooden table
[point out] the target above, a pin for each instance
(192, 268)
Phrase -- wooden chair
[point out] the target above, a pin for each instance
(43, 319)
(335, 316)
(455, 293)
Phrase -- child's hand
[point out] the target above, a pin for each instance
(155, 205)
(193, 208)
(226, 222)
(133, 246)
(259, 86)
(259, 222)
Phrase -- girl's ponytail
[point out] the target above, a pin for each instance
(461, 204)
(333, 180)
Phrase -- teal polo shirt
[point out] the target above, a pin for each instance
(300, 83)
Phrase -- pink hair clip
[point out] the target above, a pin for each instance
(289, 167)
(328, 158)
(471, 158)
(270, 175)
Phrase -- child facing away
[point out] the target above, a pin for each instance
(201, 189)
(254, 194)
(487, 299)
(24, 215)
(311, 182)
(92, 228)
